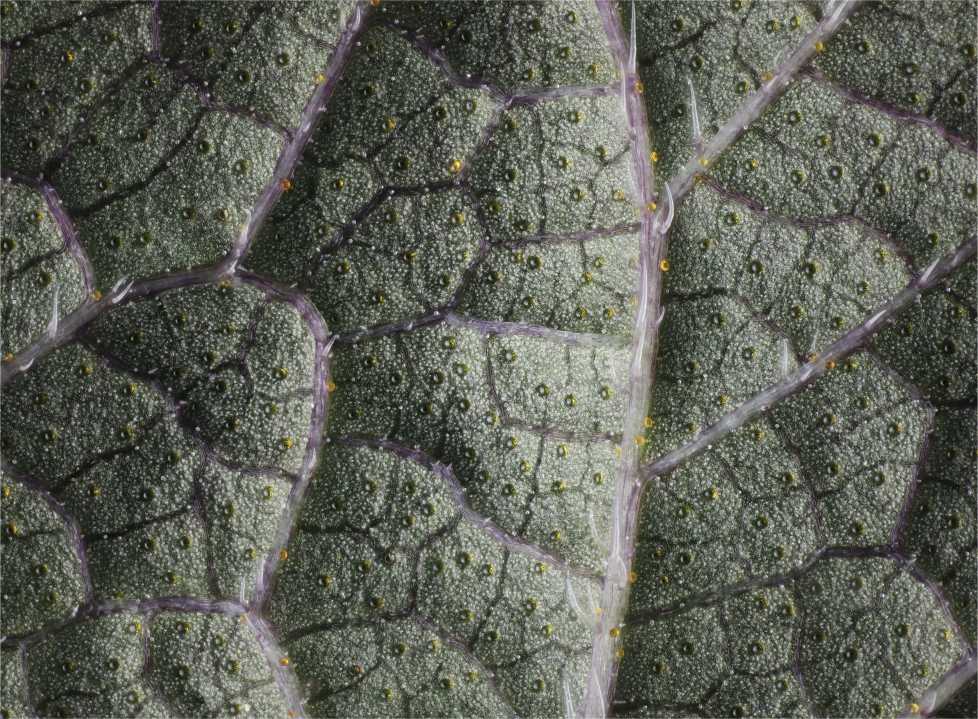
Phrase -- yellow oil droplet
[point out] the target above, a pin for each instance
(615, 632)
(283, 554)
(640, 439)
(704, 162)
(374, 3)
(620, 653)
(390, 123)
(287, 442)
(811, 357)
(651, 207)
(914, 708)
(654, 156)
(330, 386)
(97, 295)
(830, 364)
(320, 78)
(598, 611)
(767, 77)
(754, 164)
(455, 167)
(664, 265)
(284, 661)
(632, 577)
(648, 423)
(639, 87)
(286, 184)
(618, 450)
(70, 56)
(8, 357)
(6, 491)
(819, 46)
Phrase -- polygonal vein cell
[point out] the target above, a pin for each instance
(264, 58)
(578, 178)
(815, 154)
(389, 213)
(168, 664)
(239, 366)
(713, 355)
(42, 283)
(722, 52)
(813, 283)
(57, 77)
(42, 579)
(585, 285)
(155, 181)
(831, 466)
(399, 667)
(554, 491)
(853, 636)
(933, 346)
(390, 599)
(367, 258)
(913, 58)
(515, 46)
(176, 473)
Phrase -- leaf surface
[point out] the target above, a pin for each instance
(488, 359)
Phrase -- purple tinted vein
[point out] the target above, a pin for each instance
(324, 342)
(945, 688)
(755, 105)
(285, 678)
(292, 152)
(75, 540)
(69, 234)
(806, 373)
(507, 540)
(615, 590)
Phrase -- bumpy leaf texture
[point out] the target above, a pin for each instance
(488, 359)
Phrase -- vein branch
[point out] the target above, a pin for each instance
(808, 372)
(656, 219)
(614, 594)
(507, 540)
(756, 104)
(292, 152)
(287, 522)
